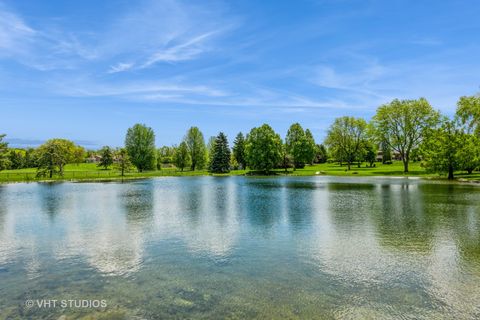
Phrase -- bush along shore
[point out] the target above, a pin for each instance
(403, 138)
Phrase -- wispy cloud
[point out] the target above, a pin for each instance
(119, 67)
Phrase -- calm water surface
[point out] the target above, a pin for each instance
(236, 247)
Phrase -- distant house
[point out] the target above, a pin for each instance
(93, 158)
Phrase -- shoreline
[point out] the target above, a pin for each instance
(245, 174)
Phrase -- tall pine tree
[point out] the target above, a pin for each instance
(239, 150)
(221, 155)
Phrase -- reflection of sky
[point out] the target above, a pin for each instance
(382, 238)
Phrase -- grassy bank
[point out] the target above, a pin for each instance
(89, 171)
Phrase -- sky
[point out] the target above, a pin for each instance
(89, 70)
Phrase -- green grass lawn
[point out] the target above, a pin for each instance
(90, 171)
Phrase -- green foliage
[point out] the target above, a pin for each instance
(196, 148)
(468, 112)
(79, 154)
(401, 124)
(440, 149)
(140, 145)
(469, 153)
(263, 148)
(165, 156)
(220, 158)
(239, 150)
(300, 145)
(211, 149)
(321, 154)
(107, 157)
(370, 154)
(310, 147)
(122, 161)
(17, 159)
(347, 137)
(386, 152)
(4, 161)
(181, 157)
(53, 155)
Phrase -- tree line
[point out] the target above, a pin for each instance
(408, 129)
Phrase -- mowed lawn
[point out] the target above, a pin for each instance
(90, 171)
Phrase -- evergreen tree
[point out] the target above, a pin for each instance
(239, 150)
(107, 157)
(220, 160)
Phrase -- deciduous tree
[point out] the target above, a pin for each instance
(401, 124)
(346, 137)
(263, 148)
(181, 157)
(196, 148)
(140, 145)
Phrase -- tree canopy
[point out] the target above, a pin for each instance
(402, 123)
(346, 137)
(107, 157)
(300, 145)
(53, 155)
(140, 145)
(181, 157)
(220, 159)
(263, 148)
(239, 150)
(196, 148)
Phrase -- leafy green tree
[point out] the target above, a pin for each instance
(122, 161)
(347, 137)
(165, 156)
(386, 152)
(440, 149)
(310, 148)
(79, 154)
(300, 145)
(401, 124)
(468, 111)
(370, 154)
(30, 161)
(140, 145)
(239, 150)
(220, 159)
(53, 155)
(321, 154)
(107, 157)
(211, 149)
(4, 161)
(196, 148)
(286, 159)
(181, 158)
(263, 148)
(469, 153)
(17, 159)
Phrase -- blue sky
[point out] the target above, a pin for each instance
(88, 70)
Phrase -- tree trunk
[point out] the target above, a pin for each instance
(51, 174)
(348, 165)
(469, 171)
(450, 172)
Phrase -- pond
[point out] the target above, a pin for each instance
(239, 247)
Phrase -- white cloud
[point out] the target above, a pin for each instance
(119, 67)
